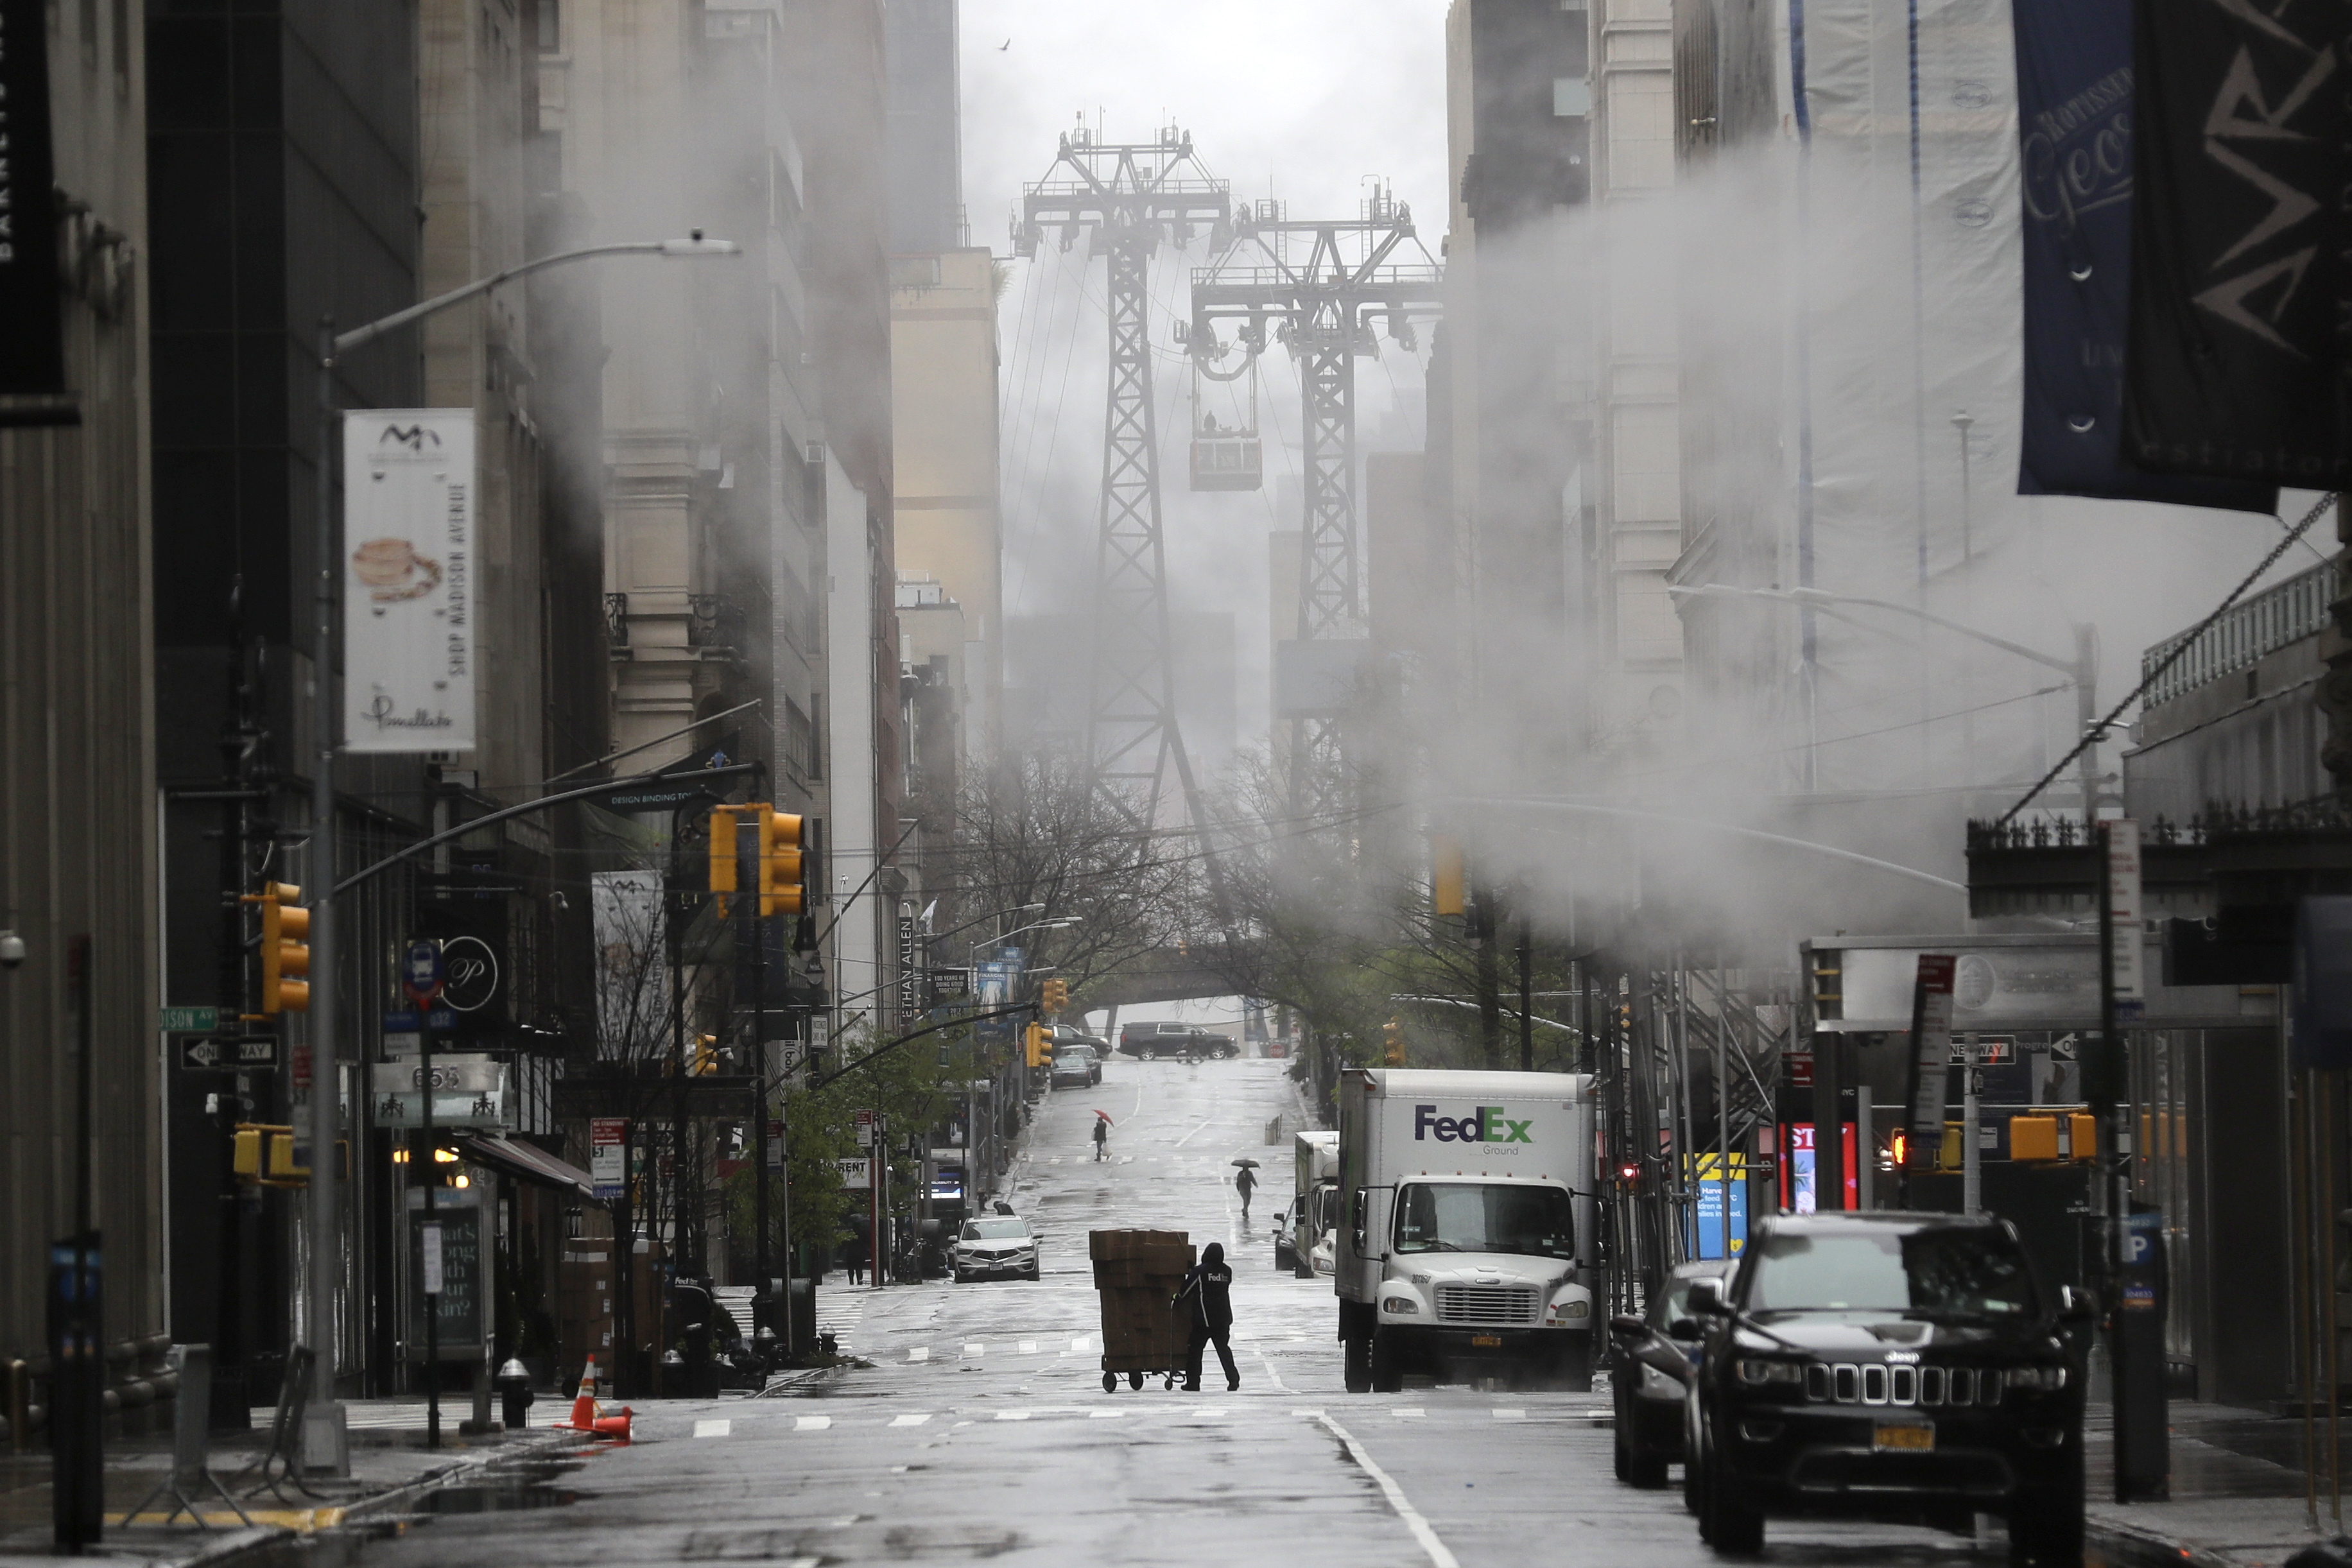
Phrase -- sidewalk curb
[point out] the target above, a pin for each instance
(2116, 1544)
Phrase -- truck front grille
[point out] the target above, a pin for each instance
(1487, 1304)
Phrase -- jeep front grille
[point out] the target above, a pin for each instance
(1871, 1382)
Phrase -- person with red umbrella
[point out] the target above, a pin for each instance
(1102, 1134)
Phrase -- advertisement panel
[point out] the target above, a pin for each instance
(408, 580)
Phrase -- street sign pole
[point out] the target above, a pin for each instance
(421, 976)
(326, 1439)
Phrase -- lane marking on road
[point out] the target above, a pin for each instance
(1272, 1376)
(811, 1423)
(1013, 1415)
(975, 1350)
(920, 1353)
(713, 1428)
(1437, 1549)
(1510, 1415)
(1028, 1347)
(1105, 1414)
(1196, 1132)
(915, 1419)
(1408, 1414)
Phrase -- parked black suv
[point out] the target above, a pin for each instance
(1905, 1367)
(1155, 1039)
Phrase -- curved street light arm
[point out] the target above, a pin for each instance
(693, 246)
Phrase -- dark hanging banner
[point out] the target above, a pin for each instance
(32, 341)
(2074, 128)
(2235, 368)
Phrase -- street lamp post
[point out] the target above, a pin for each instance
(2081, 670)
(325, 1436)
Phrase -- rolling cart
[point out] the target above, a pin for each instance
(1136, 1272)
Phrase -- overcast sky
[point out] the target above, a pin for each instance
(1302, 99)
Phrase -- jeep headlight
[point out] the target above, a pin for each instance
(1402, 1306)
(2040, 1379)
(1758, 1371)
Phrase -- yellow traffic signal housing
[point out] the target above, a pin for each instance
(1392, 1032)
(246, 1159)
(722, 854)
(1035, 1041)
(1056, 996)
(706, 1055)
(284, 947)
(781, 863)
(1445, 874)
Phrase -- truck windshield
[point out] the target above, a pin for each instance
(1971, 1272)
(1481, 1216)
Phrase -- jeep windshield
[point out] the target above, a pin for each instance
(1942, 1273)
(1485, 1217)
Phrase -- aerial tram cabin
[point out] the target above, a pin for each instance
(1225, 457)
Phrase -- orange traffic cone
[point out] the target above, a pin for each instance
(583, 1408)
(585, 1413)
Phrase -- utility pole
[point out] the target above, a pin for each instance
(1126, 199)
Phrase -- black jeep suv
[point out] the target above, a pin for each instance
(1905, 1367)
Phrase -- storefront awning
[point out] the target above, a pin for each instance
(525, 1163)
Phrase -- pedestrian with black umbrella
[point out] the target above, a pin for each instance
(1207, 1293)
(1245, 1183)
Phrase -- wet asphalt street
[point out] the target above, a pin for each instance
(982, 1430)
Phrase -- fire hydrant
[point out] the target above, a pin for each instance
(513, 1385)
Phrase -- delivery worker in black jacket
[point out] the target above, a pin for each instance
(1207, 1293)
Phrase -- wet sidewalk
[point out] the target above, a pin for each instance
(390, 1465)
(2238, 1498)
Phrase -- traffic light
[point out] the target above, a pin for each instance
(722, 854)
(1445, 874)
(781, 865)
(1056, 997)
(706, 1055)
(1392, 1032)
(1034, 1038)
(285, 950)
(1629, 1175)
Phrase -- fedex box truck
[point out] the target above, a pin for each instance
(1466, 1247)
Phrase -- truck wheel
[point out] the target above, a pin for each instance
(1357, 1367)
(1388, 1377)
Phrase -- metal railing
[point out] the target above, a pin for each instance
(2273, 619)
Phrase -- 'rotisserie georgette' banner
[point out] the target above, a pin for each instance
(2075, 131)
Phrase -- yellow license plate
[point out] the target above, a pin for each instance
(1906, 1438)
(1488, 1341)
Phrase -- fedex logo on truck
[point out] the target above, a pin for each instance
(1487, 1125)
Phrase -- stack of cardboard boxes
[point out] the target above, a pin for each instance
(1136, 1272)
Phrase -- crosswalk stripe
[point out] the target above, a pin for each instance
(1028, 1347)
(975, 1350)
(1510, 1415)
(915, 1419)
(811, 1423)
(920, 1353)
(713, 1428)
(1407, 1415)
(1013, 1415)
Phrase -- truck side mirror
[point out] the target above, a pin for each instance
(1706, 1298)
